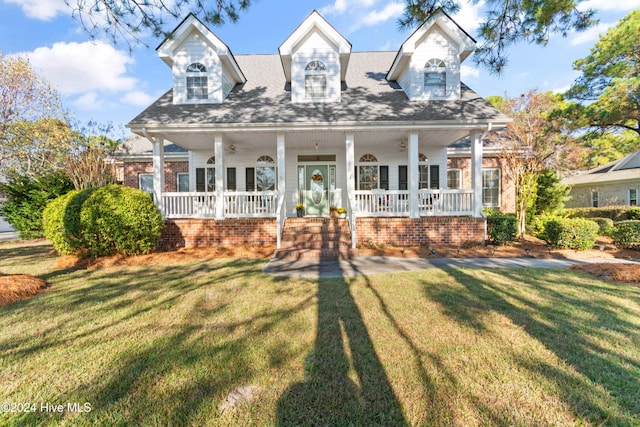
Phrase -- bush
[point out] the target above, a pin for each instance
(539, 223)
(605, 226)
(501, 228)
(616, 213)
(633, 214)
(26, 199)
(627, 234)
(571, 233)
(104, 221)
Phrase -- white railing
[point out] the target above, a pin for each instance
(250, 204)
(189, 205)
(445, 202)
(236, 204)
(430, 202)
(382, 202)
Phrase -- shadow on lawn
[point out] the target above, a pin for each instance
(547, 314)
(328, 396)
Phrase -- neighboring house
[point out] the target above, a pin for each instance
(614, 184)
(322, 126)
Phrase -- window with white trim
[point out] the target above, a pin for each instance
(491, 188)
(197, 82)
(454, 180)
(145, 182)
(183, 182)
(595, 199)
(423, 171)
(633, 197)
(435, 77)
(206, 177)
(315, 80)
(370, 175)
(265, 173)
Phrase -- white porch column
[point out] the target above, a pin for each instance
(414, 176)
(218, 151)
(476, 172)
(158, 172)
(351, 185)
(280, 163)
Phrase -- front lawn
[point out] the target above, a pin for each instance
(165, 345)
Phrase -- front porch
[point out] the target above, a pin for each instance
(372, 174)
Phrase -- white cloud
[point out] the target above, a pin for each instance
(89, 102)
(75, 68)
(470, 16)
(591, 35)
(43, 10)
(341, 6)
(138, 98)
(469, 73)
(390, 11)
(600, 5)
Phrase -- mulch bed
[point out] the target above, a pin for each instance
(20, 286)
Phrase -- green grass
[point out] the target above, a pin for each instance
(164, 345)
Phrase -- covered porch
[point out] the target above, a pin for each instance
(384, 172)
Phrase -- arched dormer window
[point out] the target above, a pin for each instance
(315, 80)
(197, 85)
(435, 77)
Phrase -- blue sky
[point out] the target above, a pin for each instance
(103, 82)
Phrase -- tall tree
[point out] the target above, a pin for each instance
(508, 22)
(32, 119)
(531, 143)
(608, 93)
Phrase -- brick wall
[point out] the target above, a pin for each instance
(210, 232)
(171, 170)
(437, 230)
(507, 186)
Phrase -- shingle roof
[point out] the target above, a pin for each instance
(367, 98)
(627, 168)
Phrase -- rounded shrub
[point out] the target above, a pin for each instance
(633, 213)
(118, 219)
(501, 228)
(55, 222)
(571, 233)
(539, 222)
(627, 234)
(605, 226)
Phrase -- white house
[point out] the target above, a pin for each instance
(322, 126)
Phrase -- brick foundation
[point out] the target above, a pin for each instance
(210, 232)
(436, 230)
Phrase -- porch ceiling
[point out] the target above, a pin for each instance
(309, 139)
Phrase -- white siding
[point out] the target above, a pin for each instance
(227, 83)
(315, 47)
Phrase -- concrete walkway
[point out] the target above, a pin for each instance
(367, 265)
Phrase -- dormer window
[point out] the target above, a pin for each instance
(315, 80)
(197, 85)
(435, 77)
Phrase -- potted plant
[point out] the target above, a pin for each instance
(300, 210)
(333, 211)
(342, 212)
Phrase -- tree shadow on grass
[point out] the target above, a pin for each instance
(607, 390)
(328, 396)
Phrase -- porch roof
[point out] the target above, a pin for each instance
(367, 99)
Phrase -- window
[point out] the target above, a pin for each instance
(595, 196)
(315, 80)
(491, 187)
(633, 197)
(206, 177)
(197, 81)
(368, 173)
(265, 174)
(183, 182)
(145, 182)
(435, 77)
(429, 175)
(453, 179)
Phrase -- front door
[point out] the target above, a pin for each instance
(316, 195)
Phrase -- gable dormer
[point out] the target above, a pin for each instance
(203, 67)
(315, 59)
(427, 66)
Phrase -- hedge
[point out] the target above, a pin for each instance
(616, 213)
(501, 228)
(627, 234)
(104, 221)
(539, 222)
(605, 226)
(571, 233)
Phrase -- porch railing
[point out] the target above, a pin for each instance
(430, 202)
(237, 204)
